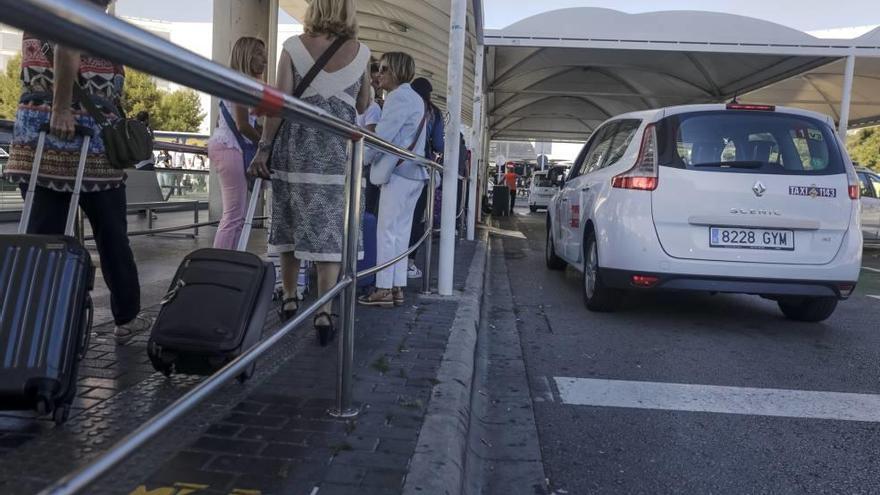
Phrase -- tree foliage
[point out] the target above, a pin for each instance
(864, 147)
(10, 88)
(179, 111)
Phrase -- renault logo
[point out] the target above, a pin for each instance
(759, 189)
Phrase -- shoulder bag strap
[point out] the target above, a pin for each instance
(318, 67)
(412, 147)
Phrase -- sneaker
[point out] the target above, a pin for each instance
(397, 296)
(413, 272)
(124, 333)
(379, 297)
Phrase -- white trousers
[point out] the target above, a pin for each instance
(397, 205)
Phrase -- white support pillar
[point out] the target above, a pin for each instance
(457, 28)
(232, 20)
(476, 144)
(845, 103)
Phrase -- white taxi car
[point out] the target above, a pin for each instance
(719, 198)
(541, 190)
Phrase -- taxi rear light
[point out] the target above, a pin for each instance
(752, 108)
(855, 192)
(644, 176)
(645, 281)
(637, 183)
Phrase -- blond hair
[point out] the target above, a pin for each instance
(243, 52)
(331, 17)
(401, 66)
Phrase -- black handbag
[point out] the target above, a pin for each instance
(127, 142)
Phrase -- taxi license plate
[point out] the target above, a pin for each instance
(726, 237)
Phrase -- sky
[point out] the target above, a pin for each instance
(805, 15)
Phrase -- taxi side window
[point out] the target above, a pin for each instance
(866, 186)
(875, 185)
(600, 149)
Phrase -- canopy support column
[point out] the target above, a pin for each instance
(845, 103)
(476, 144)
(455, 83)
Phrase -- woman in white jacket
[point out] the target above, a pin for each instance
(402, 123)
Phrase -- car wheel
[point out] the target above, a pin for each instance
(597, 296)
(809, 309)
(553, 262)
(533, 208)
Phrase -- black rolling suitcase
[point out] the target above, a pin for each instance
(500, 201)
(45, 308)
(215, 308)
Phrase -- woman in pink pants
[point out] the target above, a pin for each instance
(232, 140)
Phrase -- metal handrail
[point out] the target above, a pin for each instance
(79, 25)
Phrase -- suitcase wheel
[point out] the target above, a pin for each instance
(61, 414)
(44, 406)
(245, 376)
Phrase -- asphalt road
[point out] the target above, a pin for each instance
(725, 341)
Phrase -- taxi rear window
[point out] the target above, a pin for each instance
(751, 142)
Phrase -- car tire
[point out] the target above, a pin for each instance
(533, 208)
(598, 297)
(808, 309)
(553, 262)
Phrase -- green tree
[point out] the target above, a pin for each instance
(141, 94)
(10, 88)
(181, 111)
(864, 147)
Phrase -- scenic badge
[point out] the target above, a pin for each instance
(812, 191)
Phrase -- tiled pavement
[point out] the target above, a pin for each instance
(272, 435)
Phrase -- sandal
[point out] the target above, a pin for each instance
(326, 333)
(286, 313)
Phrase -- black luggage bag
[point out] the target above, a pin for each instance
(500, 201)
(215, 308)
(45, 307)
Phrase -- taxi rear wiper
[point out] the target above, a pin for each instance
(742, 164)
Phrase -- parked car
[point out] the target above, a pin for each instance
(870, 193)
(541, 190)
(717, 198)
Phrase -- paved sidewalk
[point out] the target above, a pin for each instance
(273, 434)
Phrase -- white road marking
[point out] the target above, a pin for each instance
(875, 270)
(722, 400)
(507, 233)
(875, 297)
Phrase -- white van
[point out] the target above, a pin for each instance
(541, 190)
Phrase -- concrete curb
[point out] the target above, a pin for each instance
(438, 465)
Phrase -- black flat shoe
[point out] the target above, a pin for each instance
(288, 314)
(326, 332)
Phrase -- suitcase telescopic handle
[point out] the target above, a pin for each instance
(86, 134)
(249, 218)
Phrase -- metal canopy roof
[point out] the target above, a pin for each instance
(560, 74)
(420, 28)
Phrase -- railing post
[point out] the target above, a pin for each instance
(429, 227)
(196, 219)
(348, 298)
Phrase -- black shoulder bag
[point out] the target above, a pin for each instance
(126, 141)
